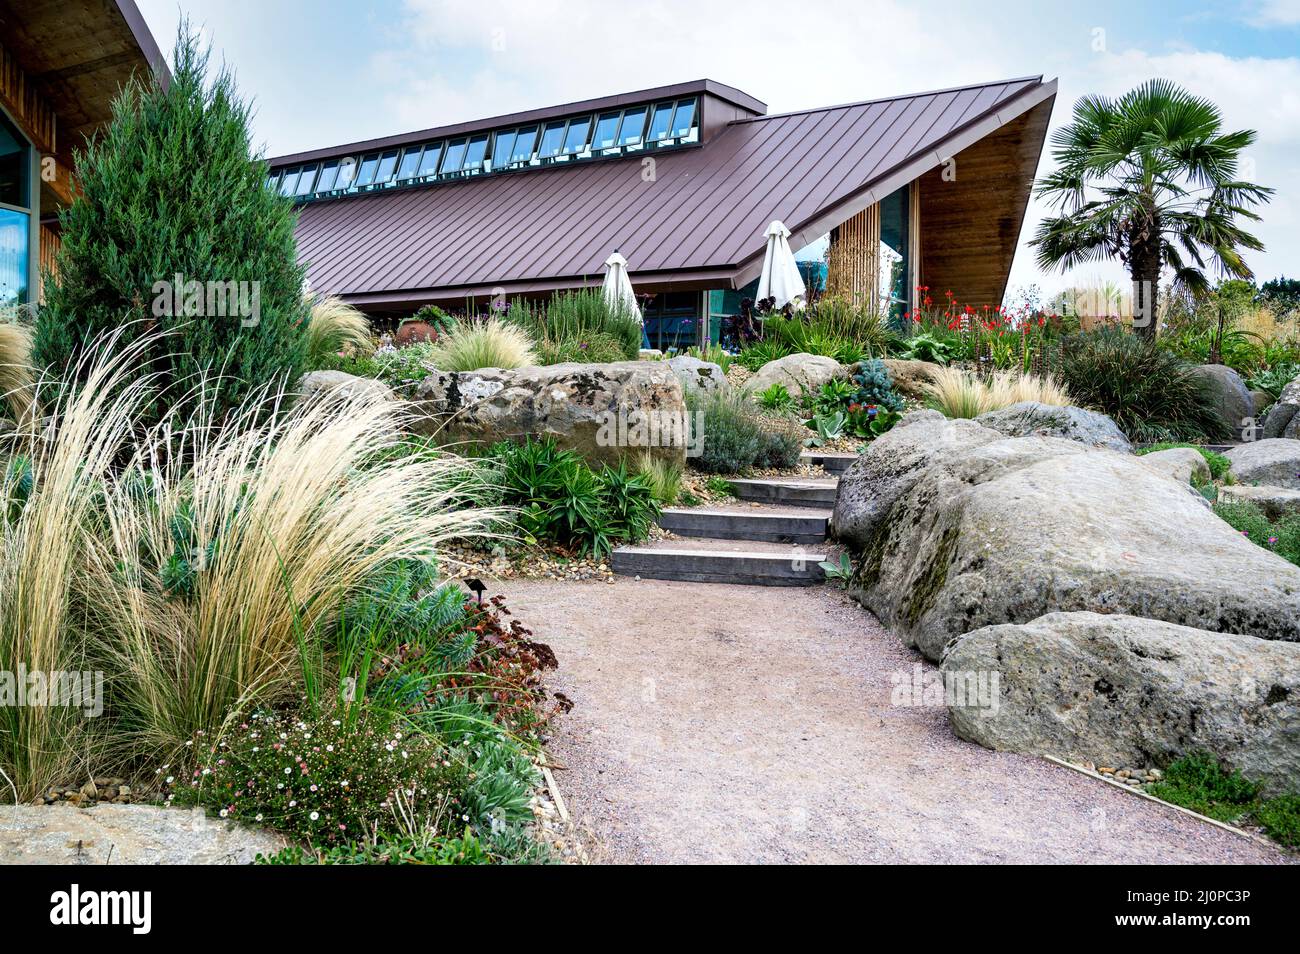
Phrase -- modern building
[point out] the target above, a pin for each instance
(683, 180)
(61, 65)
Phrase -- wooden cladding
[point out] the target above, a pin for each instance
(853, 262)
(50, 243)
(26, 105)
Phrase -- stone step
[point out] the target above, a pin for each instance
(807, 527)
(749, 563)
(831, 463)
(814, 492)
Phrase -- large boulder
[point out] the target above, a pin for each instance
(957, 528)
(602, 411)
(911, 377)
(699, 376)
(895, 461)
(127, 835)
(798, 372)
(1275, 502)
(1283, 418)
(1120, 690)
(1047, 420)
(1273, 461)
(316, 384)
(1181, 463)
(1229, 394)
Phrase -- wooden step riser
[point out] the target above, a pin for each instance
(740, 526)
(713, 567)
(822, 498)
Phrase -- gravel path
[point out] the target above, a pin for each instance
(748, 724)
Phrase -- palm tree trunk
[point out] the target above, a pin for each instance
(1144, 269)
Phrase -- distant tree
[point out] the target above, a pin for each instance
(1281, 294)
(1152, 179)
(172, 188)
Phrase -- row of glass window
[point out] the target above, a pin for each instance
(559, 140)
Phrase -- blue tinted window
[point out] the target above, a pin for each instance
(387, 166)
(661, 122)
(289, 182)
(14, 233)
(327, 176)
(15, 165)
(606, 131)
(524, 144)
(307, 180)
(474, 153)
(273, 181)
(629, 133)
(575, 140)
(429, 161)
(455, 156)
(366, 173)
(552, 140)
(683, 118)
(501, 148)
(410, 162)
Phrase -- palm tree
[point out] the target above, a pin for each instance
(1150, 178)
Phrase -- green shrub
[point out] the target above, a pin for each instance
(726, 430)
(761, 353)
(1280, 819)
(1197, 782)
(1272, 381)
(1281, 537)
(560, 499)
(335, 328)
(776, 397)
(172, 188)
(1149, 392)
(1217, 463)
(875, 386)
(596, 348)
(578, 316)
(328, 780)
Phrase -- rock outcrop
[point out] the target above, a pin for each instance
(1120, 690)
(602, 411)
(1047, 420)
(798, 372)
(1274, 462)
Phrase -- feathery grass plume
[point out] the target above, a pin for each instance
(51, 498)
(222, 571)
(334, 327)
(664, 477)
(16, 376)
(959, 393)
(490, 343)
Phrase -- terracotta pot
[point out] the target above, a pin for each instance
(414, 332)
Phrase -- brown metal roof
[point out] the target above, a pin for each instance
(701, 218)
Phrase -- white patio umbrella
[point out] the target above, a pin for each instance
(617, 287)
(780, 278)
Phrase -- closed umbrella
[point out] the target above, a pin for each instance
(617, 290)
(780, 278)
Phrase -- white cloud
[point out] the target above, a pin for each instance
(1276, 13)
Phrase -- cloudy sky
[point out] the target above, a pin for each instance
(329, 72)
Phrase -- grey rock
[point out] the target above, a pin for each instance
(1260, 401)
(317, 384)
(1124, 690)
(126, 835)
(1229, 394)
(911, 377)
(698, 376)
(892, 464)
(1046, 420)
(798, 372)
(1180, 463)
(602, 411)
(977, 530)
(1283, 418)
(1274, 462)
(1275, 502)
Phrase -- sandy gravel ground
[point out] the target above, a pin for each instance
(749, 724)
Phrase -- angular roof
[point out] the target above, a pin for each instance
(698, 219)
